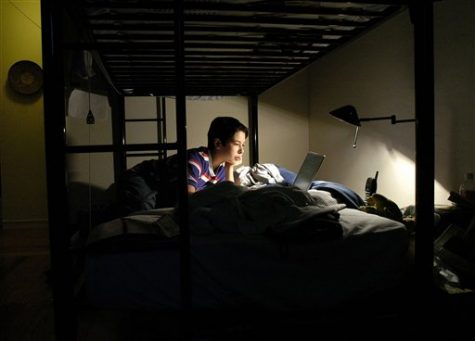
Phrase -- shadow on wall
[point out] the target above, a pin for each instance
(396, 137)
(290, 96)
(400, 138)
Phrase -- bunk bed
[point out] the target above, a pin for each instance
(195, 48)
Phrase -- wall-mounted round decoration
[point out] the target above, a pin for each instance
(25, 77)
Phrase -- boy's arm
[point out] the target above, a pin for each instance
(229, 172)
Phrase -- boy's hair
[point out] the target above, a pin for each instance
(224, 128)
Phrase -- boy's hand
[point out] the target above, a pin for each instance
(229, 168)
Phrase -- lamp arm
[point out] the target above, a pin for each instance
(405, 120)
(392, 118)
(377, 118)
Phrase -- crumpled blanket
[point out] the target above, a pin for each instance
(271, 209)
(342, 193)
(159, 226)
(258, 175)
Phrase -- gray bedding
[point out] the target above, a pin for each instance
(238, 263)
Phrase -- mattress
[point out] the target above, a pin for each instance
(134, 268)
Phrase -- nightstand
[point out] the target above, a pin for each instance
(452, 215)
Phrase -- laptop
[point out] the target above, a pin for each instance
(309, 169)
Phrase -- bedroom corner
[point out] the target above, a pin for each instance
(375, 73)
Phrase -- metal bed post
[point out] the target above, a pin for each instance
(118, 134)
(253, 129)
(185, 244)
(65, 319)
(163, 111)
(422, 17)
(161, 126)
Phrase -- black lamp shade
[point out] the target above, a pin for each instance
(347, 114)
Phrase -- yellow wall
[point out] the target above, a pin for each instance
(21, 119)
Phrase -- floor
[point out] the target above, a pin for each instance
(26, 311)
(26, 305)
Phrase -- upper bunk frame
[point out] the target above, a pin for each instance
(193, 45)
(230, 47)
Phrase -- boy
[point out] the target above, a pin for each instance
(215, 163)
(152, 183)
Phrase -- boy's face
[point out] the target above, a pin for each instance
(233, 151)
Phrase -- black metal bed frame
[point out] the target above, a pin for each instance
(181, 82)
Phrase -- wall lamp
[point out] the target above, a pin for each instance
(349, 115)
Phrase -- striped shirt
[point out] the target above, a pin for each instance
(200, 170)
